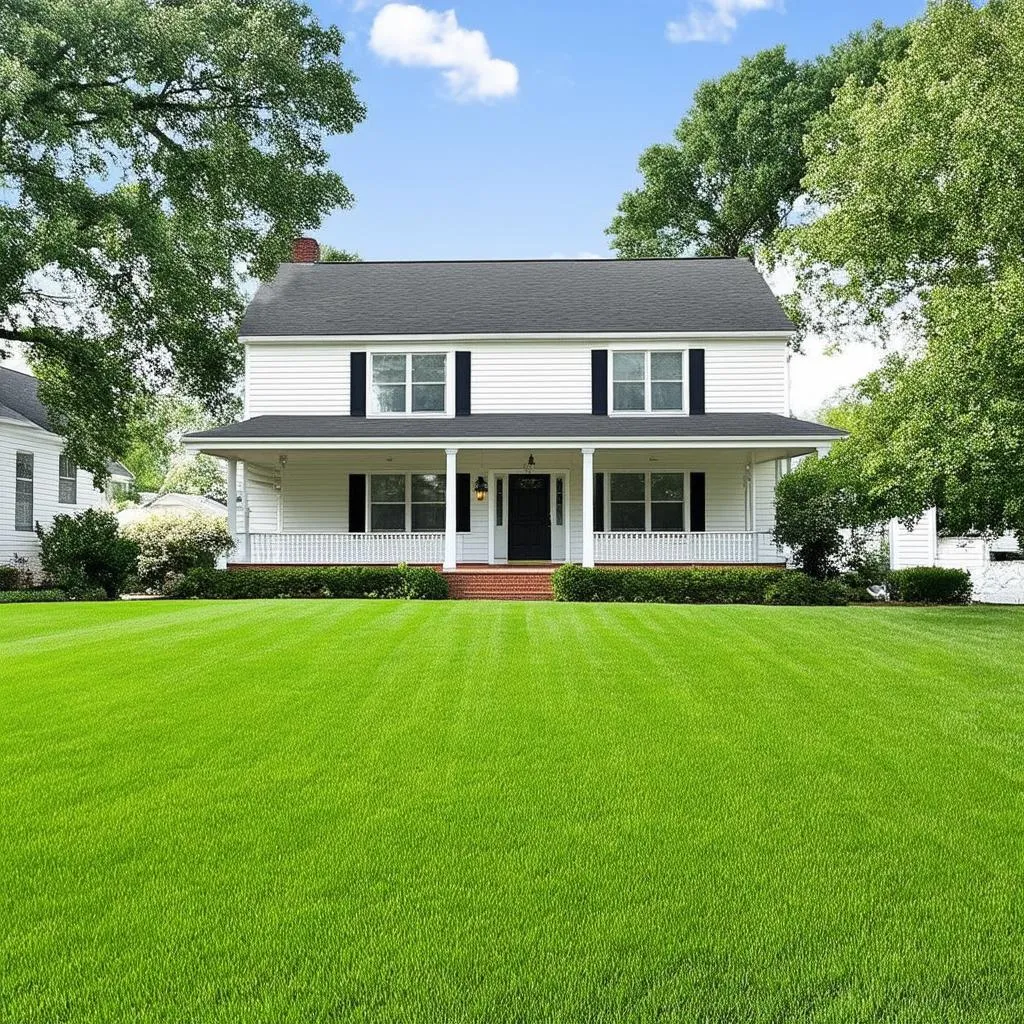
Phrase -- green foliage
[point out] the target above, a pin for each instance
(153, 157)
(797, 588)
(332, 254)
(32, 596)
(731, 177)
(85, 552)
(169, 546)
(196, 474)
(16, 575)
(403, 581)
(930, 585)
(690, 586)
(811, 511)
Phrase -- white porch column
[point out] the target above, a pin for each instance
(232, 482)
(247, 544)
(588, 507)
(492, 515)
(450, 507)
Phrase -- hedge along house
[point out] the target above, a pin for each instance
(499, 413)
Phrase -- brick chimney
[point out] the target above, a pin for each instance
(305, 250)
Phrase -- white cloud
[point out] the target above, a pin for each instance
(416, 37)
(714, 21)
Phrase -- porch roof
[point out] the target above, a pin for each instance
(504, 428)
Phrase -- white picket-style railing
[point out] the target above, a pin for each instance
(344, 548)
(629, 548)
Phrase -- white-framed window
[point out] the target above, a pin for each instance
(647, 502)
(67, 482)
(648, 382)
(407, 502)
(24, 486)
(403, 383)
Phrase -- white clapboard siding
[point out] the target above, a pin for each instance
(294, 378)
(261, 486)
(531, 378)
(46, 448)
(745, 377)
(914, 546)
(509, 377)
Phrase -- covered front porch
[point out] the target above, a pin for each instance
(471, 506)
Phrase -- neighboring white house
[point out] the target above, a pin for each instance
(460, 413)
(37, 481)
(996, 564)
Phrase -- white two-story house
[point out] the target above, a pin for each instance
(496, 413)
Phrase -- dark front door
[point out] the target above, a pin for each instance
(529, 518)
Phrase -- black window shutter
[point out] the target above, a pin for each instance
(599, 382)
(599, 503)
(698, 490)
(357, 503)
(463, 496)
(357, 384)
(463, 361)
(696, 382)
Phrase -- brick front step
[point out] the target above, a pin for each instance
(503, 585)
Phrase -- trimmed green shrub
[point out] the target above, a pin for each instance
(85, 552)
(172, 545)
(930, 585)
(410, 582)
(797, 588)
(11, 578)
(691, 586)
(32, 596)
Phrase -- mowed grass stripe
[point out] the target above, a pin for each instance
(385, 811)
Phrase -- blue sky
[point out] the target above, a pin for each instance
(537, 172)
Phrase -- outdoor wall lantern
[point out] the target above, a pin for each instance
(481, 488)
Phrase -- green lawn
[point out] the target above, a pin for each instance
(357, 811)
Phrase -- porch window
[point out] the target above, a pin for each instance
(628, 501)
(24, 474)
(67, 484)
(407, 502)
(642, 502)
(647, 381)
(387, 502)
(427, 502)
(403, 383)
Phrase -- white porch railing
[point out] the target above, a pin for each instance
(344, 548)
(636, 548)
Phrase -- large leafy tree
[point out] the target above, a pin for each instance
(154, 154)
(732, 175)
(921, 182)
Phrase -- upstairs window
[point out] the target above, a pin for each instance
(24, 473)
(404, 383)
(647, 381)
(67, 484)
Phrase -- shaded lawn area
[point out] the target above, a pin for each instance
(383, 811)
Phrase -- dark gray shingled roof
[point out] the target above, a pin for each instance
(19, 392)
(19, 400)
(514, 297)
(540, 426)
